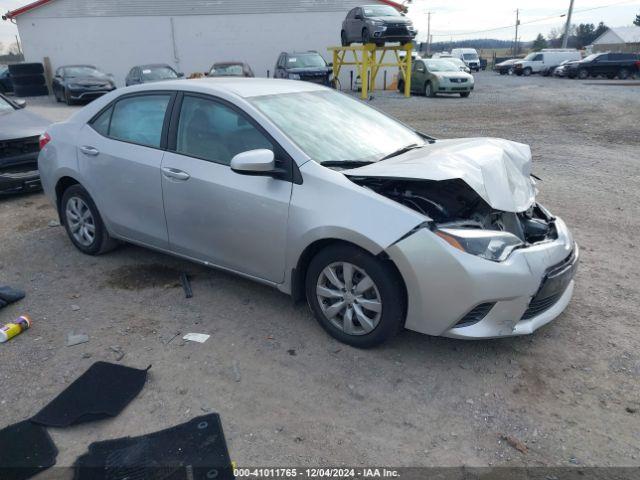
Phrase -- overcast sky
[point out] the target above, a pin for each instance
(459, 19)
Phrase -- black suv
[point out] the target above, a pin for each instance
(622, 65)
(307, 66)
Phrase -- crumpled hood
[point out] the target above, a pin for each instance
(498, 170)
(21, 124)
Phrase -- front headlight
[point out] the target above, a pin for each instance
(489, 244)
(74, 86)
(294, 76)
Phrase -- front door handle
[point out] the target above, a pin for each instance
(175, 174)
(87, 150)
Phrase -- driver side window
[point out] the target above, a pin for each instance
(212, 131)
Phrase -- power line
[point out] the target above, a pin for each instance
(542, 19)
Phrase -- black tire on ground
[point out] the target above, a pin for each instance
(583, 73)
(343, 39)
(28, 80)
(67, 97)
(503, 72)
(465, 94)
(366, 37)
(527, 71)
(26, 69)
(30, 90)
(401, 86)
(428, 90)
(510, 71)
(386, 280)
(102, 242)
(624, 73)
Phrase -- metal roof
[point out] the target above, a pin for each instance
(38, 3)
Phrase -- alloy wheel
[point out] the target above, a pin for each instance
(81, 222)
(349, 298)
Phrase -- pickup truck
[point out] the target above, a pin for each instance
(621, 65)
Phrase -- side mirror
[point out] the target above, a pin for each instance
(358, 17)
(20, 102)
(330, 64)
(254, 162)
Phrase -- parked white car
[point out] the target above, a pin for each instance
(468, 56)
(545, 61)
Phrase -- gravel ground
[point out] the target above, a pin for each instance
(290, 395)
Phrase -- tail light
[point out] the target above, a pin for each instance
(44, 139)
(638, 64)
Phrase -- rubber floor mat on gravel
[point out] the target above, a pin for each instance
(104, 390)
(193, 450)
(25, 450)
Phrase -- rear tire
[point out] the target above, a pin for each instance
(363, 308)
(83, 223)
(583, 74)
(623, 74)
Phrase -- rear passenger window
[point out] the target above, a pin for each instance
(215, 132)
(139, 119)
(101, 123)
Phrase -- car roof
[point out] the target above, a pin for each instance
(155, 65)
(242, 87)
(78, 65)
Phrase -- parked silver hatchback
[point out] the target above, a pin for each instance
(303, 188)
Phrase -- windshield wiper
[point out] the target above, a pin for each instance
(345, 163)
(402, 150)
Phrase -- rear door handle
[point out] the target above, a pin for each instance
(87, 150)
(175, 174)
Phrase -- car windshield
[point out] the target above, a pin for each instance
(228, 69)
(158, 73)
(5, 106)
(441, 66)
(343, 129)
(530, 56)
(380, 11)
(455, 61)
(306, 61)
(82, 71)
(470, 56)
(591, 57)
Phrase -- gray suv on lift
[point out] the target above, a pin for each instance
(376, 24)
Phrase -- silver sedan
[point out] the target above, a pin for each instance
(300, 187)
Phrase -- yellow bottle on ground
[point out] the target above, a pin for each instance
(14, 328)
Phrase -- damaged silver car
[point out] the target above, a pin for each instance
(308, 190)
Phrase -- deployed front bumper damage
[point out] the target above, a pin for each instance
(445, 284)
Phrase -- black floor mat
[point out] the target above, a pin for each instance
(9, 295)
(193, 450)
(25, 450)
(102, 391)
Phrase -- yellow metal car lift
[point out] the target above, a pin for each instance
(369, 58)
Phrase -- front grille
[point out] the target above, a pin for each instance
(390, 31)
(21, 146)
(458, 80)
(475, 315)
(538, 306)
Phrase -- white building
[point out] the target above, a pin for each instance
(190, 35)
(619, 40)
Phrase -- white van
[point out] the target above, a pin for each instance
(468, 56)
(545, 60)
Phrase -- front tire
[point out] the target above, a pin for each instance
(343, 39)
(428, 90)
(366, 36)
(465, 94)
(67, 97)
(401, 86)
(83, 222)
(356, 297)
(583, 74)
(526, 72)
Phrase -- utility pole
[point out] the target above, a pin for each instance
(567, 26)
(428, 33)
(515, 43)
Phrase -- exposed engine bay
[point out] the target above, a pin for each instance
(454, 204)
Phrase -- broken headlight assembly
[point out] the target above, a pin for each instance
(489, 244)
